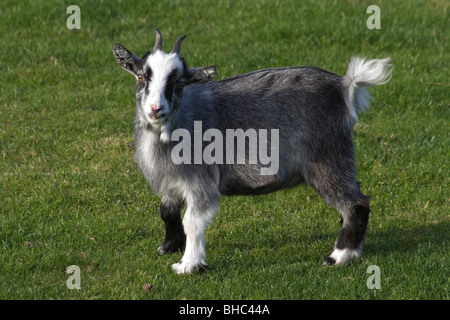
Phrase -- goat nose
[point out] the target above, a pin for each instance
(155, 107)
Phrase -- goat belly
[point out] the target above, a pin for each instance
(255, 185)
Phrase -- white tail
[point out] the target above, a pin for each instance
(364, 73)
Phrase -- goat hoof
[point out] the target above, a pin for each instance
(185, 268)
(329, 261)
(341, 256)
(162, 250)
(170, 247)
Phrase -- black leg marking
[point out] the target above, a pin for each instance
(354, 228)
(351, 236)
(175, 238)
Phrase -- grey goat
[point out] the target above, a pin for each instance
(310, 112)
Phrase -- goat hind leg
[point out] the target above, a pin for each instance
(337, 185)
(352, 234)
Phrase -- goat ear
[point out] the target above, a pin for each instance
(126, 59)
(199, 75)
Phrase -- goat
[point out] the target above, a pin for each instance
(313, 111)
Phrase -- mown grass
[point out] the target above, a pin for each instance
(71, 193)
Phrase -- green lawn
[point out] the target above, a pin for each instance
(71, 193)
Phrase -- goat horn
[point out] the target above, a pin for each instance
(158, 42)
(177, 45)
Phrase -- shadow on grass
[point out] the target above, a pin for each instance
(435, 236)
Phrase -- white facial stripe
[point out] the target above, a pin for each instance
(161, 64)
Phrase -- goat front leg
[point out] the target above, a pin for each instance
(195, 222)
(171, 215)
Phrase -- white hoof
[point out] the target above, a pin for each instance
(187, 268)
(341, 256)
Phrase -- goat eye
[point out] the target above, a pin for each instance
(141, 78)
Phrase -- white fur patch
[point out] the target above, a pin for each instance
(342, 256)
(161, 65)
(165, 134)
(195, 224)
(364, 73)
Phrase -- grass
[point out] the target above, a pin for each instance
(71, 193)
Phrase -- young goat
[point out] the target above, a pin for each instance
(311, 113)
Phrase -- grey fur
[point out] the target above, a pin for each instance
(314, 111)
